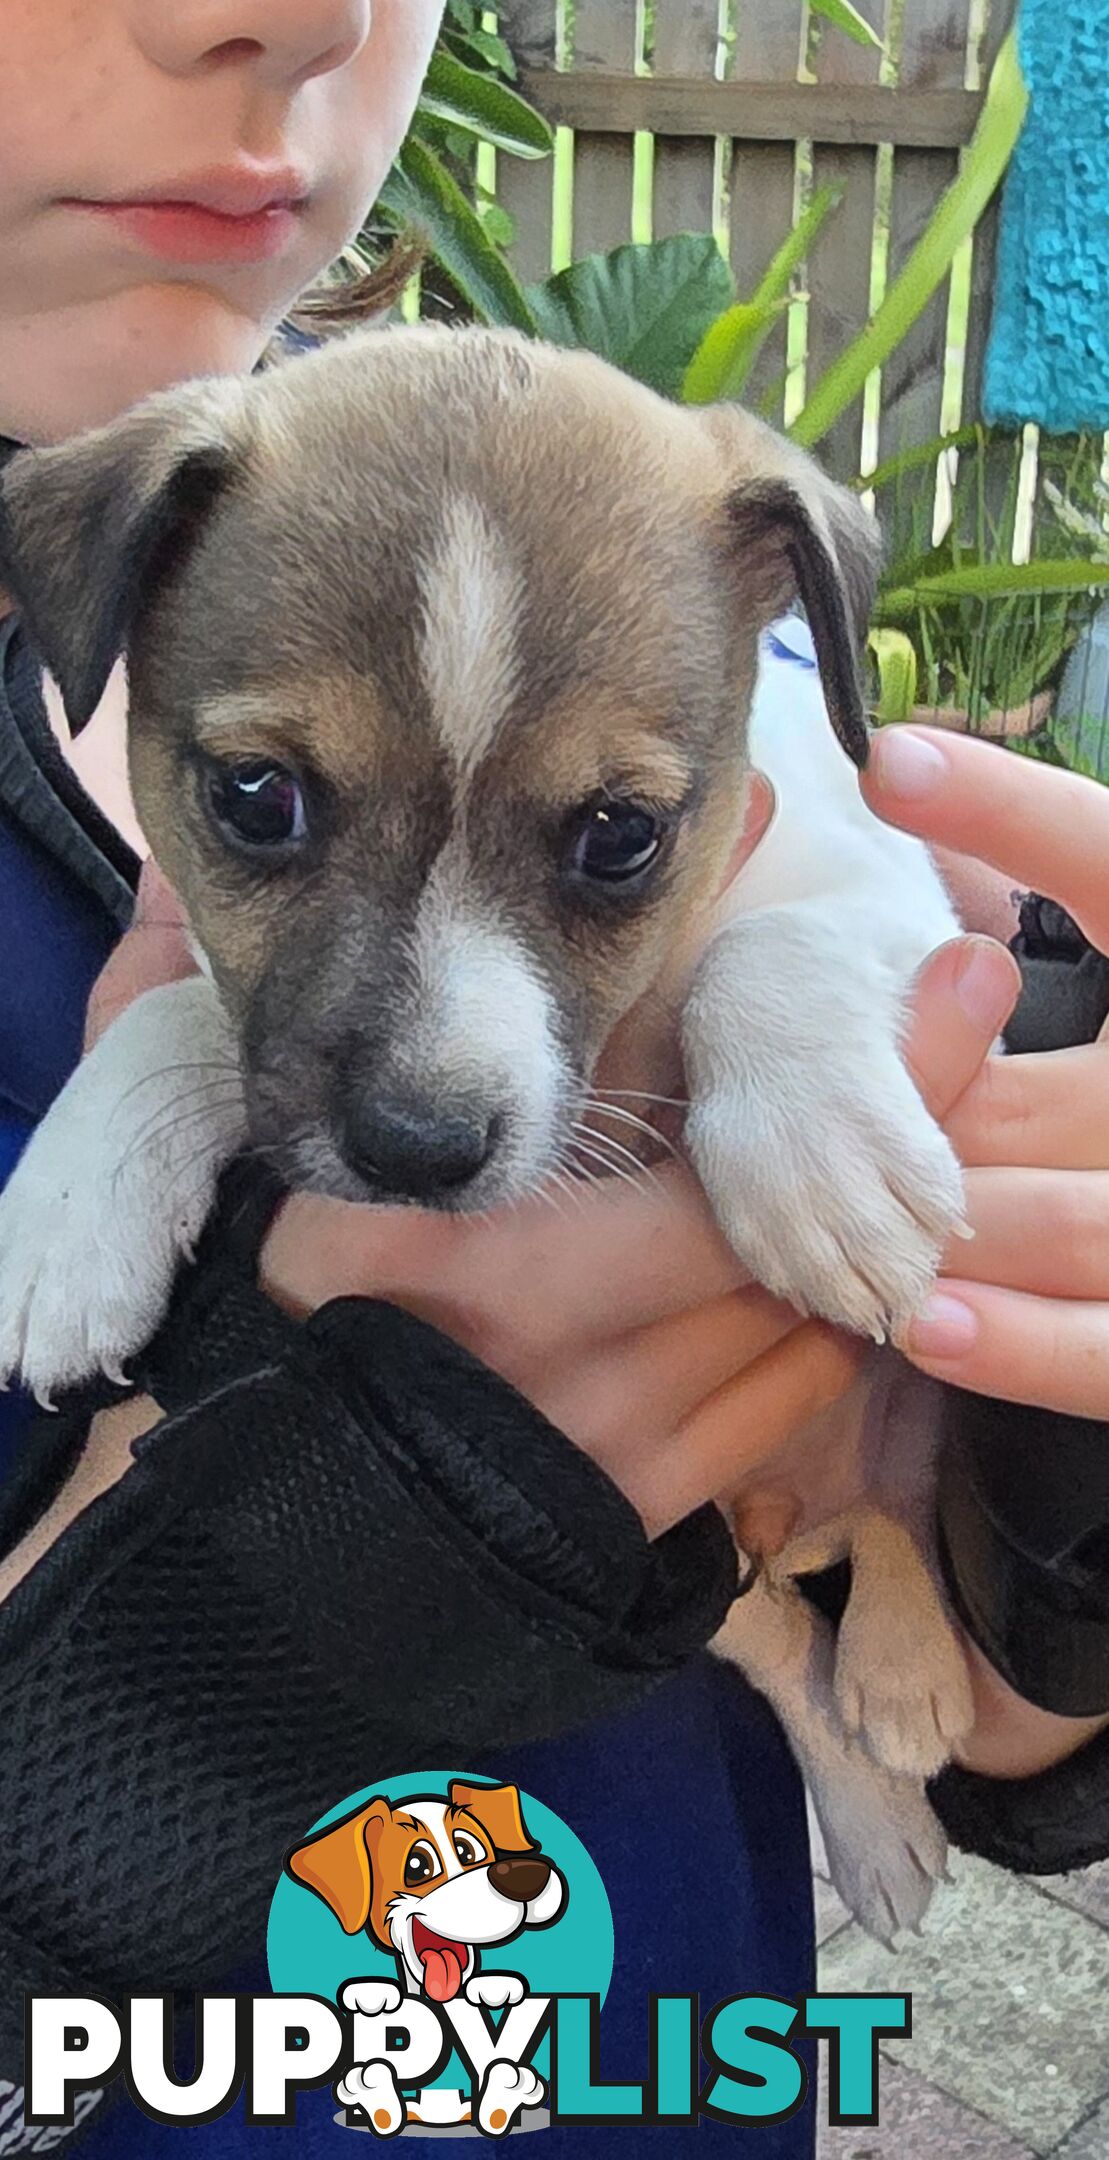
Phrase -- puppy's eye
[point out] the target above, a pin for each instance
(421, 1865)
(614, 842)
(260, 803)
(470, 1854)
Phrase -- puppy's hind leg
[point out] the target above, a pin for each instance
(901, 1681)
(886, 1850)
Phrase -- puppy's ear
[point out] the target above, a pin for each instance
(338, 1864)
(87, 528)
(497, 1808)
(795, 535)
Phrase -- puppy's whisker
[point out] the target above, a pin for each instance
(612, 1169)
(208, 1095)
(224, 1066)
(617, 1153)
(637, 1124)
(671, 1102)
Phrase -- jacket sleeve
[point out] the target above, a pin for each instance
(1024, 1516)
(347, 1550)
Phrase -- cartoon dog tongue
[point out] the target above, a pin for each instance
(444, 1963)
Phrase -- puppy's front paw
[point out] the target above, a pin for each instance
(371, 1998)
(113, 1191)
(832, 1184)
(495, 1991)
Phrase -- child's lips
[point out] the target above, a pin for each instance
(192, 232)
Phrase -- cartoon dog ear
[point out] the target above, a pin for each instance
(338, 1864)
(498, 1808)
(88, 527)
(794, 534)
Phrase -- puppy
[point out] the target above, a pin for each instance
(435, 1881)
(443, 653)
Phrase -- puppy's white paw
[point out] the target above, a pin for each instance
(886, 1849)
(832, 1183)
(495, 1991)
(371, 1998)
(114, 1188)
(507, 2089)
(903, 1690)
(373, 2087)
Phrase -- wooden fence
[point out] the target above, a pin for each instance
(748, 105)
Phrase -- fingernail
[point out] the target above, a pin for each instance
(907, 766)
(984, 983)
(944, 1328)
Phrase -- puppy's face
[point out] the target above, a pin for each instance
(441, 651)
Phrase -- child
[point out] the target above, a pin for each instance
(170, 180)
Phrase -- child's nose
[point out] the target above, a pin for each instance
(289, 40)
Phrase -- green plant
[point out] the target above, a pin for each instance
(433, 191)
(958, 623)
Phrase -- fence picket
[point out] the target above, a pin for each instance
(526, 189)
(763, 177)
(605, 38)
(840, 263)
(685, 43)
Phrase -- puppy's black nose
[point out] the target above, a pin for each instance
(521, 1879)
(411, 1150)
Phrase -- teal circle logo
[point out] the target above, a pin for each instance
(430, 1889)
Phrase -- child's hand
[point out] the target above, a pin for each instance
(1024, 1312)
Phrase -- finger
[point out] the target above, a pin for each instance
(154, 950)
(611, 1259)
(1068, 1257)
(669, 1367)
(742, 1426)
(962, 1000)
(1048, 1352)
(1046, 829)
(1048, 1111)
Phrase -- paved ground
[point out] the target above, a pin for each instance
(1009, 2058)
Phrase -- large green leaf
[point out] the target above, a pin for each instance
(721, 365)
(646, 309)
(843, 16)
(481, 106)
(420, 196)
(955, 216)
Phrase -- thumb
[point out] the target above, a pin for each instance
(964, 995)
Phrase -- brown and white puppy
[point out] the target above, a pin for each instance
(435, 1880)
(444, 653)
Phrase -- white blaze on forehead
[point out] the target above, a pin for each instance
(470, 652)
(432, 1817)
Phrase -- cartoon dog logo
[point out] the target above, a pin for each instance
(436, 1879)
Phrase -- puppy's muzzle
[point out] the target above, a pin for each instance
(405, 1149)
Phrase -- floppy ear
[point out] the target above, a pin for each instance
(796, 535)
(87, 527)
(338, 1864)
(498, 1808)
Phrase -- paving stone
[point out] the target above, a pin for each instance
(1087, 1890)
(919, 2123)
(831, 1912)
(1091, 2139)
(1006, 1985)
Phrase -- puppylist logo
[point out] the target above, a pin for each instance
(440, 1949)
